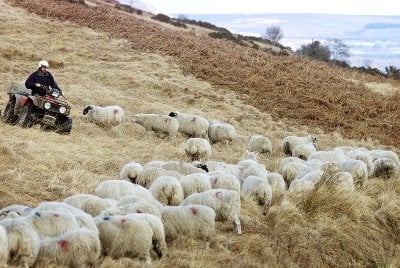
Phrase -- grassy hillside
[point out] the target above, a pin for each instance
(145, 68)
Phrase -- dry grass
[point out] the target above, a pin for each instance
(324, 228)
(298, 90)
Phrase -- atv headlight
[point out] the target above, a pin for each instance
(47, 105)
(62, 110)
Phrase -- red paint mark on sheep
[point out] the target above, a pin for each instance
(194, 210)
(63, 245)
(194, 120)
(218, 194)
(123, 221)
(115, 111)
(55, 215)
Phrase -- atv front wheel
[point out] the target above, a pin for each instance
(8, 116)
(25, 119)
(65, 126)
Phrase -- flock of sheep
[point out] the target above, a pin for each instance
(135, 215)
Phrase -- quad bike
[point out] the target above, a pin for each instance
(27, 110)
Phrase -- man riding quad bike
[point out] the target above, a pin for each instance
(26, 110)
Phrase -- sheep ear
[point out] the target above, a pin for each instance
(87, 109)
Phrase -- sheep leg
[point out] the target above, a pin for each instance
(238, 227)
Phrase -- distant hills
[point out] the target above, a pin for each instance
(373, 40)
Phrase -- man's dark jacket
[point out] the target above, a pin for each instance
(45, 79)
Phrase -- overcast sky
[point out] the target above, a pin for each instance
(353, 7)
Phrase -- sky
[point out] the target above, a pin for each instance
(348, 7)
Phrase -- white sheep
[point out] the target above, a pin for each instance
(116, 189)
(182, 167)
(154, 163)
(277, 183)
(385, 167)
(124, 236)
(258, 170)
(195, 183)
(221, 132)
(291, 170)
(196, 221)
(335, 155)
(159, 123)
(3, 247)
(222, 180)
(84, 220)
(287, 160)
(259, 144)
(303, 151)
(149, 174)
(23, 242)
(375, 154)
(290, 142)
(89, 203)
(167, 190)
(14, 211)
(226, 204)
(105, 115)
(363, 155)
(192, 125)
(300, 185)
(357, 168)
(52, 223)
(128, 208)
(76, 248)
(259, 190)
(197, 149)
(210, 166)
(131, 171)
(159, 244)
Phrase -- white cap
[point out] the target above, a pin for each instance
(43, 63)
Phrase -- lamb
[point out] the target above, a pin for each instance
(116, 189)
(167, 190)
(3, 247)
(222, 180)
(221, 132)
(163, 124)
(131, 171)
(159, 244)
(197, 149)
(196, 221)
(124, 236)
(303, 151)
(260, 144)
(23, 242)
(192, 125)
(226, 204)
(195, 183)
(106, 116)
(181, 167)
(128, 208)
(90, 204)
(14, 211)
(76, 248)
(258, 189)
(290, 142)
(385, 167)
(149, 174)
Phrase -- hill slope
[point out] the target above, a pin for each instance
(299, 90)
(324, 228)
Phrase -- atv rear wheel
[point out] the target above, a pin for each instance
(25, 119)
(65, 126)
(8, 116)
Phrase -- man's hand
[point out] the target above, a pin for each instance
(37, 85)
